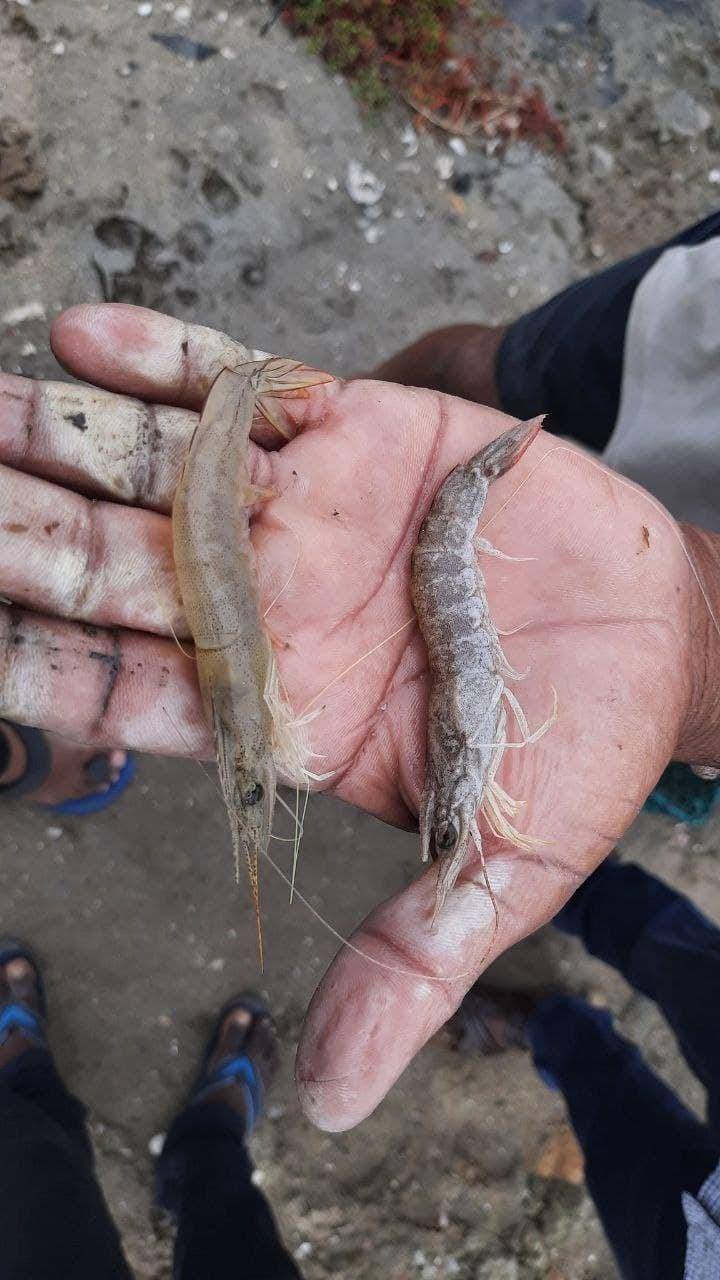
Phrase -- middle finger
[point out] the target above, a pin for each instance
(93, 440)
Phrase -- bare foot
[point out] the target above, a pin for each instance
(75, 770)
(19, 985)
(253, 1035)
(459, 360)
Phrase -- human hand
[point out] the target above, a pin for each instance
(611, 614)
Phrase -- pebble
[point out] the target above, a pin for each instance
(362, 186)
(679, 115)
(53, 833)
(144, 9)
(410, 141)
(26, 311)
(602, 161)
(156, 1144)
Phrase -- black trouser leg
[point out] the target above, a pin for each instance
(642, 1147)
(566, 357)
(225, 1225)
(664, 947)
(54, 1222)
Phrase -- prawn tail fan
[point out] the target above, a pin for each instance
(279, 379)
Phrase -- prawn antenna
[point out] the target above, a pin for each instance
(363, 656)
(358, 951)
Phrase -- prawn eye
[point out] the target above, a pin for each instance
(254, 795)
(446, 836)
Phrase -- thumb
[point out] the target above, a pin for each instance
(390, 989)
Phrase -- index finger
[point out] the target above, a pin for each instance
(155, 357)
(143, 353)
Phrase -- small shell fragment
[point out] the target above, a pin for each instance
(362, 186)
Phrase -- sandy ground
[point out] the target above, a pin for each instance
(216, 191)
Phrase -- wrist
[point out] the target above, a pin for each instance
(699, 738)
(458, 360)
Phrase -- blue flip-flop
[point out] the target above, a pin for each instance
(240, 1069)
(96, 801)
(39, 764)
(15, 1015)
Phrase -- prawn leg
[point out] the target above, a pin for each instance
(487, 549)
(523, 725)
(426, 812)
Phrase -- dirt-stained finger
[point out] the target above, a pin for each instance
(65, 554)
(143, 353)
(100, 686)
(94, 441)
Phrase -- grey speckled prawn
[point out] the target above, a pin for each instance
(466, 714)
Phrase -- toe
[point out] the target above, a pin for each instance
(117, 760)
(232, 1036)
(22, 981)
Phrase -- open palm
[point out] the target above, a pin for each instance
(599, 612)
